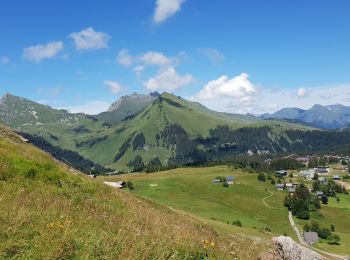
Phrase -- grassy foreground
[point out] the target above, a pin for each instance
(50, 212)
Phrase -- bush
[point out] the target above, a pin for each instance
(237, 223)
(303, 214)
(225, 184)
(267, 229)
(31, 173)
(324, 199)
(332, 227)
(273, 182)
(129, 185)
(261, 177)
(333, 239)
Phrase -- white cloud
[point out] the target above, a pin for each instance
(165, 9)
(124, 58)
(168, 79)
(150, 58)
(40, 52)
(214, 55)
(113, 87)
(91, 107)
(138, 70)
(224, 87)
(90, 39)
(302, 92)
(155, 58)
(5, 60)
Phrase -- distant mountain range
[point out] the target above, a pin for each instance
(163, 128)
(325, 117)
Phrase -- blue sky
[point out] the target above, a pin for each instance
(236, 56)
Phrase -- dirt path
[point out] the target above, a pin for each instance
(302, 242)
(345, 184)
(269, 196)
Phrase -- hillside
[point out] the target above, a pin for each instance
(49, 211)
(326, 117)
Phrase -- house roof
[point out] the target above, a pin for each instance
(280, 185)
(319, 193)
(230, 178)
(336, 177)
(310, 237)
(291, 190)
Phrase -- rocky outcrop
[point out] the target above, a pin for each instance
(287, 249)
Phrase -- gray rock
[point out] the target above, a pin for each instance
(288, 249)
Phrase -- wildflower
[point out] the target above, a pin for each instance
(206, 241)
(212, 244)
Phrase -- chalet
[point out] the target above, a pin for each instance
(336, 178)
(280, 186)
(230, 179)
(321, 170)
(310, 237)
(281, 173)
(289, 185)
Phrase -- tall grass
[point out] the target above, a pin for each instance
(47, 212)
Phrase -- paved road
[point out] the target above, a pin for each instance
(302, 242)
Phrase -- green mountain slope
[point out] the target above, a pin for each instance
(48, 211)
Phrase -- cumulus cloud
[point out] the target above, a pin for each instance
(302, 92)
(150, 58)
(237, 88)
(89, 39)
(168, 79)
(124, 58)
(155, 58)
(40, 52)
(214, 55)
(113, 86)
(165, 9)
(5, 60)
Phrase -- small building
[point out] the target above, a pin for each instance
(281, 173)
(310, 237)
(308, 174)
(295, 184)
(216, 181)
(118, 184)
(230, 180)
(289, 185)
(321, 170)
(92, 176)
(336, 178)
(280, 186)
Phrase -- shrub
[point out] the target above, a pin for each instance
(273, 182)
(237, 223)
(267, 229)
(332, 227)
(31, 173)
(261, 177)
(303, 215)
(129, 185)
(324, 199)
(333, 239)
(225, 184)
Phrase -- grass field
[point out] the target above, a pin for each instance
(256, 204)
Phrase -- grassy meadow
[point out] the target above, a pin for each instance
(256, 204)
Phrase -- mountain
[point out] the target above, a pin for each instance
(330, 117)
(17, 111)
(169, 131)
(127, 106)
(49, 211)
